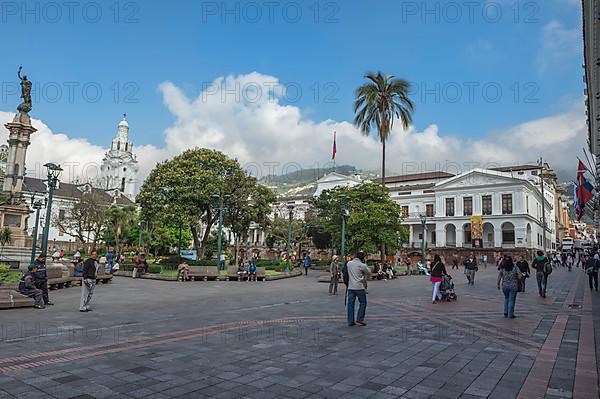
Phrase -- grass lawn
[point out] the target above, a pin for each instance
(10, 278)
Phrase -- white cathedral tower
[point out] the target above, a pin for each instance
(120, 167)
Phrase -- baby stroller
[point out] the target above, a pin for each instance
(447, 288)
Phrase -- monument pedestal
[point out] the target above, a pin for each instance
(15, 217)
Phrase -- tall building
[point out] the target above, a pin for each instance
(591, 51)
(120, 167)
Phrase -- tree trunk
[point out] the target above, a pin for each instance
(382, 258)
(197, 243)
(383, 164)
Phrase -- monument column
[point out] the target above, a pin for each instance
(20, 131)
(14, 210)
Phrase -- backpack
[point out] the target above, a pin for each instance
(547, 267)
(345, 275)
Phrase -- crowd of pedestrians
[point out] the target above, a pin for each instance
(511, 278)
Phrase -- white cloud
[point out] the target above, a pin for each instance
(262, 131)
(558, 45)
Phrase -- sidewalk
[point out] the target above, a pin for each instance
(289, 339)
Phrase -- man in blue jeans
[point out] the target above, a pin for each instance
(358, 272)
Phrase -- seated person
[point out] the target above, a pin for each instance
(381, 275)
(27, 287)
(242, 272)
(252, 271)
(183, 270)
(115, 267)
(388, 271)
(78, 268)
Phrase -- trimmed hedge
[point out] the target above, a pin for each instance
(154, 269)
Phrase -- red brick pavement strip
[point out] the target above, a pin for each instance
(536, 384)
(586, 375)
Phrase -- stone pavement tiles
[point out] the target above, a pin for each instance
(288, 339)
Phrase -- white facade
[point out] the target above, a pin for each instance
(334, 180)
(510, 206)
(120, 167)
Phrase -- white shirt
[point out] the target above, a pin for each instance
(357, 272)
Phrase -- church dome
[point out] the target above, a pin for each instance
(124, 122)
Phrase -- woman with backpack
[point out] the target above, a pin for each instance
(543, 268)
(509, 276)
(437, 271)
(591, 268)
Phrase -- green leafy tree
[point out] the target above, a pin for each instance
(277, 230)
(84, 219)
(248, 202)
(374, 218)
(119, 221)
(181, 190)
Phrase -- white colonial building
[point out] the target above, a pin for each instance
(119, 169)
(508, 202)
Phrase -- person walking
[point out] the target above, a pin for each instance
(455, 261)
(470, 268)
(306, 262)
(485, 261)
(570, 261)
(591, 268)
(542, 265)
(524, 269)
(509, 276)
(110, 260)
(438, 270)
(40, 278)
(27, 287)
(357, 274)
(90, 267)
(334, 271)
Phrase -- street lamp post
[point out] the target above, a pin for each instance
(344, 211)
(424, 228)
(37, 205)
(219, 200)
(290, 208)
(53, 174)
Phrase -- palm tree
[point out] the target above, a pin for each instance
(378, 103)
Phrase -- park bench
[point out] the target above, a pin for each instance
(197, 273)
(11, 298)
(56, 279)
(232, 273)
(102, 276)
(402, 271)
(212, 273)
(74, 280)
(261, 273)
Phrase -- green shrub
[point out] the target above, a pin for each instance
(267, 263)
(154, 269)
(4, 269)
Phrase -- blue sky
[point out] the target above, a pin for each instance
(533, 57)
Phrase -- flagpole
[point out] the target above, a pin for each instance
(334, 152)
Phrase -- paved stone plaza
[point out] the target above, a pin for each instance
(289, 339)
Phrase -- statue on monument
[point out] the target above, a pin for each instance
(26, 85)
